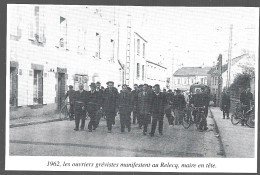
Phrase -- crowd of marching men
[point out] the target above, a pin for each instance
(143, 105)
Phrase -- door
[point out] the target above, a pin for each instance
(13, 86)
(61, 89)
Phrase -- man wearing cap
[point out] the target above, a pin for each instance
(110, 97)
(70, 93)
(168, 108)
(92, 107)
(144, 106)
(158, 103)
(99, 92)
(125, 108)
(179, 105)
(80, 104)
(135, 104)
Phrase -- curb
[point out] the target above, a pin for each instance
(33, 123)
(222, 150)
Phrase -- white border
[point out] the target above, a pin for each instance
(39, 163)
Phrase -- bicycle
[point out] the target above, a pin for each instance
(65, 111)
(239, 117)
(188, 119)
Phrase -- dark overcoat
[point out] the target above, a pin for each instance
(158, 103)
(125, 105)
(80, 100)
(92, 105)
(179, 102)
(144, 102)
(110, 100)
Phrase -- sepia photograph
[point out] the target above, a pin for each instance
(121, 83)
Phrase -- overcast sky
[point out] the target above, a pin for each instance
(193, 35)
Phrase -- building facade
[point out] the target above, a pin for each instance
(156, 74)
(51, 47)
(184, 77)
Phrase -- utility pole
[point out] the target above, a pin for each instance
(229, 56)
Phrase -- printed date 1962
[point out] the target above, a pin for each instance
(53, 163)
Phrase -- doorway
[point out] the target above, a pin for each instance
(61, 89)
(13, 86)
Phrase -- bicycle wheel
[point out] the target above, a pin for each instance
(235, 119)
(63, 113)
(198, 120)
(251, 120)
(186, 122)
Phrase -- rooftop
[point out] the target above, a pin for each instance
(192, 71)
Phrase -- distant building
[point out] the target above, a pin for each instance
(184, 77)
(237, 66)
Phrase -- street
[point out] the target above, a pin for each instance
(59, 139)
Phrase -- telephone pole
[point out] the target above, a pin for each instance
(229, 56)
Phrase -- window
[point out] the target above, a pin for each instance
(201, 80)
(143, 50)
(142, 72)
(138, 71)
(138, 46)
(37, 26)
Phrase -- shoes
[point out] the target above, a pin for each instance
(122, 130)
(89, 130)
(109, 131)
(151, 134)
(144, 133)
(94, 128)
(200, 130)
(223, 117)
(206, 128)
(228, 118)
(76, 129)
(129, 129)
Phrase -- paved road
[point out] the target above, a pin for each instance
(59, 139)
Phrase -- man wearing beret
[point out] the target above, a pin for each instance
(110, 97)
(80, 104)
(125, 108)
(144, 106)
(158, 103)
(135, 104)
(99, 92)
(92, 107)
(71, 93)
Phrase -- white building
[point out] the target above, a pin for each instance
(51, 47)
(156, 74)
(186, 76)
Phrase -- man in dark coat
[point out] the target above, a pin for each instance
(246, 99)
(110, 97)
(168, 108)
(158, 103)
(125, 107)
(225, 103)
(99, 92)
(199, 100)
(135, 104)
(144, 105)
(92, 107)
(179, 105)
(71, 93)
(80, 104)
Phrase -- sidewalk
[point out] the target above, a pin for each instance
(31, 120)
(238, 141)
